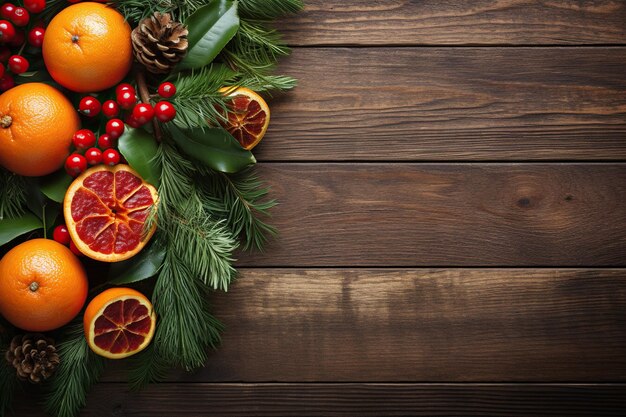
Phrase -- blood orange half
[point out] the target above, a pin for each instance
(248, 116)
(106, 209)
(119, 322)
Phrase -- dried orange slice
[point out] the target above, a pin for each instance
(106, 209)
(248, 116)
(119, 322)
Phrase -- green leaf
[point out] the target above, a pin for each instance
(12, 228)
(211, 27)
(55, 185)
(214, 147)
(140, 148)
(143, 266)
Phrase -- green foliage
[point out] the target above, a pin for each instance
(136, 10)
(268, 9)
(55, 185)
(12, 194)
(186, 329)
(144, 265)
(78, 370)
(214, 147)
(140, 149)
(241, 200)
(12, 228)
(210, 29)
(147, 366)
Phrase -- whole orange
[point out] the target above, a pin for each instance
(87, 47)
(37, 123)
(43, 285)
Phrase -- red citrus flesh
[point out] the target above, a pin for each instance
(106, 209)
(123, 327)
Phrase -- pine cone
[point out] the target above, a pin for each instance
(34, 356)
(159, 43)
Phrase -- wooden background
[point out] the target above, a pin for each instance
(452, 180)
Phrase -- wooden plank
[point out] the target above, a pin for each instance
(420, 325)
(436, 22)
(352, 400)
(450, 104)
(446, 214)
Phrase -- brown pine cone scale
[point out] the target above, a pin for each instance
(159, 43)
(34, 357)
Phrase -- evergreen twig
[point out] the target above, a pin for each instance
(13, 194)
(269, 9)
(147, 366)
(78, 370)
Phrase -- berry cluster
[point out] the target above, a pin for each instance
(62, 235)
(13, 34)
(125, 106)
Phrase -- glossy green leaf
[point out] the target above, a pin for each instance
(142, 266)
(140, 148)
(55, 185)
(214, 147)
(211, 27)
(12, 228)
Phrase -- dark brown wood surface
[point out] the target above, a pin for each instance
(451, 104)
(426, 141)
(438, 22)
(349, 400)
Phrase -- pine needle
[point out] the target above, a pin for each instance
(136, 10)
(78, 370)
(13, 192)
(147, 366)
(186, 329)
(269, 9)
(240, 199)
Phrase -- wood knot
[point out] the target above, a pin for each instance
(6, 121)
(569, 197)
(523, 202)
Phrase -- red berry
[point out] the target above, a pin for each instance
(164, 111)
(115, 128)
(61, 235)
(132, 122)
(167, 90)
(35, 6)
(143, 113)
(7, 31)
(75, 164)
(93, 156)
(1, 70)
(7, 82)
(89, 106)
(110, 157)
(126, 99)
(124, 87)
(105, 141)
(6, 11)
(35, 36)
(74, 249)
(20, 17)
(84, 139)
(18, 64)
(110, 108)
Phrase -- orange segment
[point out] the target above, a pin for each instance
(106, 209)
(248, 117)
(119, 322)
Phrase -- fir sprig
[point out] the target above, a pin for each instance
(268, 9)
(136, 10)
(186, 328)
(78, 370)
(147, 366)
(13, 194)
(240, 199)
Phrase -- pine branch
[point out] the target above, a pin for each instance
(240, 199)
(13, 192)
(198, 101)
(147, 366)
(269, 9)
(137, 10)
(186, 329)
(79, 369)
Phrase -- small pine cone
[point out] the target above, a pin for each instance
(159, 43)
(34, 356)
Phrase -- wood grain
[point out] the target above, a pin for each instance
(450, 104)
(363, 400)
(436, 22)
(446, 214)
(420, 325)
